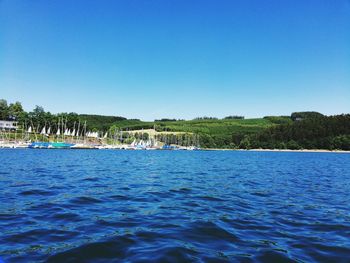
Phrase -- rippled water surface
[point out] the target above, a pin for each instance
(174, 206)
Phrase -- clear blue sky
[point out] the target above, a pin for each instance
(176, 58)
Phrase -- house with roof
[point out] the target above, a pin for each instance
(8, 125)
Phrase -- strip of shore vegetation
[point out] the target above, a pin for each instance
(300, 131)
(280, 150)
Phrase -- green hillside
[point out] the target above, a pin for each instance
(307, 130)
(213, 132)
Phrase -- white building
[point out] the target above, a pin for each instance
(8, 125)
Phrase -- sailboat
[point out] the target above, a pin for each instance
(43, 131)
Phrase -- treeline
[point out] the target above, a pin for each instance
(234, 117)
(100, 122)
(12, 111)
(317, 132)
(305, 115)
(39, 118)
(205, 118)
(309, 130)
(231, 117)
(167, 120)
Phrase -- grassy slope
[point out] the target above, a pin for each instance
(222, 126)
(216, 126)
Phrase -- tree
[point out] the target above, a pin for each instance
(293, 145)
(341, 142)
(4, 110)
(305, 115)
(37, 117)
(206, 141)
(245, 143)
(15, 111)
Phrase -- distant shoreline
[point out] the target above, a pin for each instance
(217, 149)
(280, 150)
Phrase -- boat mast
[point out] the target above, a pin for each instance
(85, 132)
(36, 138)
(78, 131)
(72, 138)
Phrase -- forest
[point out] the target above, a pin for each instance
(300, 130)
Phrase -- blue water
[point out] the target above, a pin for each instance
(173, 206)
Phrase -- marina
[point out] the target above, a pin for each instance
(28, 138)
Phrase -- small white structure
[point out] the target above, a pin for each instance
(8, 125)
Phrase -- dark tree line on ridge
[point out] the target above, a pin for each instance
(317, 132)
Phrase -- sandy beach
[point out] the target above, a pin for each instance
(281, 150)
